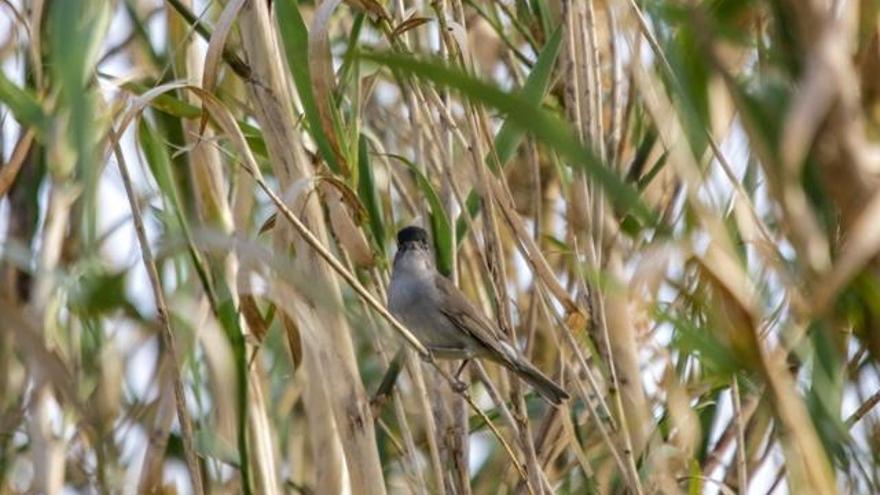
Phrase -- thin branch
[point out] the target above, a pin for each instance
(741, 466)
(863, 409)
(186, 431)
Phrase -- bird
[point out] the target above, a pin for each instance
(443, 319)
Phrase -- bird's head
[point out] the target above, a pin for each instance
(412, 237)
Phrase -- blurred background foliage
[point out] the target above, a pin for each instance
(671, 207)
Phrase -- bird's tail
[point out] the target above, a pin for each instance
(543, 385)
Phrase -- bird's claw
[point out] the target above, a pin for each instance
(459, 386)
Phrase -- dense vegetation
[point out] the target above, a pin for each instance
(671, 207)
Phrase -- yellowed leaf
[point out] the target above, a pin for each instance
(411, 23)
(214, 55)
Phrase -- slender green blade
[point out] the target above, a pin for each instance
(24, 106)
(295, 37)
(368, 194)
(510, 136)
(545, 126)
(441, 228)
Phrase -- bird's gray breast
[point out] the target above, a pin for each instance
(416, 301)
(411, 299)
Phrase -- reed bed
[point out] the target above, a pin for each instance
(671, 208)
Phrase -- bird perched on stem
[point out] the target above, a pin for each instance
(443, 319)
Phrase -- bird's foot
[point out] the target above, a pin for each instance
(459, 386)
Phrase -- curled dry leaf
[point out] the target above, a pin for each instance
(347, 232)
(411, 23)
(345, 214)
(257, 324)
(214, 55)
(221, 32)
(348, 196)
(269, 224)
(293, 339)
(323, 79)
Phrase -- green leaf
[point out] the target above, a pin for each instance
(165, 102)
(24, 106)
(545, 126)
(75, 32)
(159, 162)
(227, 315)
(99, 292)
(690, 338)
(695, 486)
(543, 13)
(345, 71)
(441, 228)
(510, 136)
(368, 194)
(295, 36)
(156, 155)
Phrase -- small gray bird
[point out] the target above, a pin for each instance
(444, 320)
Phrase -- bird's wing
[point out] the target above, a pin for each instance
(469, 319)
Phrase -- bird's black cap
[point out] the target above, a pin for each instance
(412, 234)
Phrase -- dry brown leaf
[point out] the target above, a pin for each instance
(256, 323)
(323, 78)
(349, 197)
(293, 339)
(347, 232)
(269, 224)
(10, 170)
(214, 55)
(409, 24)
(143, 100)
(345, 214)
(818, 91)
